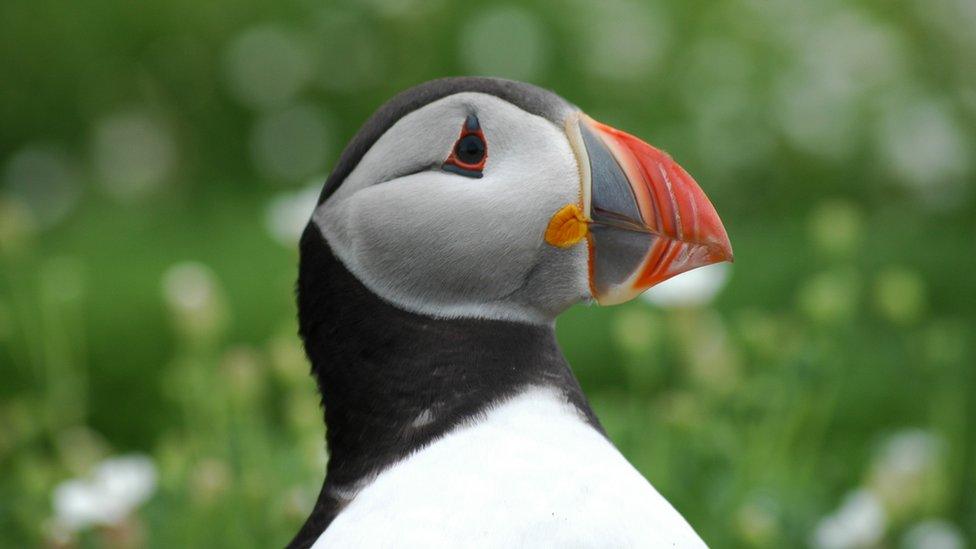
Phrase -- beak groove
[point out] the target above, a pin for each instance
(649, 219)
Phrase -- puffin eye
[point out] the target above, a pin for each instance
(470, 151)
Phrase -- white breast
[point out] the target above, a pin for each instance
(530, 473)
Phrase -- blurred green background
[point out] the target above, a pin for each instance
(158, 158)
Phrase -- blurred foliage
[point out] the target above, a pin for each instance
(157, 158)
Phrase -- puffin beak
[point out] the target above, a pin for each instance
(646, 219)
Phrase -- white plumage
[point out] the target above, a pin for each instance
(528, 473)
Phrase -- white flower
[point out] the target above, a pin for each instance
(906, 468)
(841, 58)
(189, 286)
(922, 142)
(288, 213)
(195, 299)
(933, 534)
(910, 452)
(859, 522)
(691, 289)
(114, 490)
(134, 152)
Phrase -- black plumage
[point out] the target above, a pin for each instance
(379, 368)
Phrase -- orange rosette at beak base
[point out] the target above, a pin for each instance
(567, 227)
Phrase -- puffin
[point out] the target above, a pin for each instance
(462, 218)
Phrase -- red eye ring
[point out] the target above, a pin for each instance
(470, 151)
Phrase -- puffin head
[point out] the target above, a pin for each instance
(487, 198)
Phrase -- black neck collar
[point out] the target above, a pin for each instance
(392, 381)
